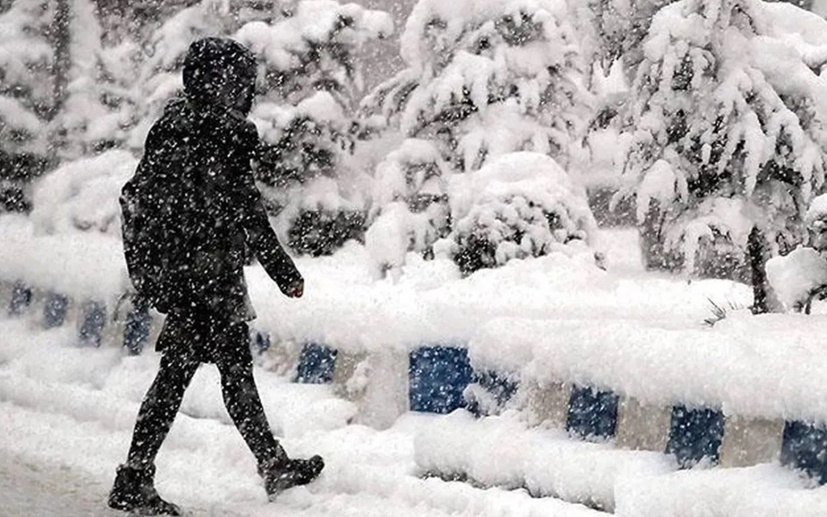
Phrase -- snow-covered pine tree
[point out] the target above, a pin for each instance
(27, 94)
(312, 82)
(484, 79)
(92, 114)
(728, 141)
(51, 102)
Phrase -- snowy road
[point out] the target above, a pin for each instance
(67, 414)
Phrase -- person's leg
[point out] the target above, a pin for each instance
(159, 408)
(134, 486)
(244, 406)
(241, 397)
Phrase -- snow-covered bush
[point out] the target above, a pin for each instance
(797, 277)
(82, 195)
(727, 136)
(519, 205)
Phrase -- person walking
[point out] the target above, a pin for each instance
(191, 216)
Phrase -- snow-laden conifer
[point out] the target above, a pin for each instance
(727, 132)
(484, 79)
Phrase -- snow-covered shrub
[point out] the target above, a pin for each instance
(519, 205)
(801, 276)
(488, 77)
(797, 277)
(82, 195)
(727, 136)
(410, 198)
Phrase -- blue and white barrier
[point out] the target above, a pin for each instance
(550, 386)
(97, 322)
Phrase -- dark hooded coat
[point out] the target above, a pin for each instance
(196, 181)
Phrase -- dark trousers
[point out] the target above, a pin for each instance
(187, 340)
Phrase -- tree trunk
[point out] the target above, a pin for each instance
(756, 257)
(61, 39)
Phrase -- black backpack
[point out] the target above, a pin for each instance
(145, 241)
(161, 209)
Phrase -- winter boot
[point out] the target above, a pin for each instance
(134, 491)
(279, 476)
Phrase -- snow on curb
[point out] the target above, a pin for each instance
(504, 451)
(761, 491)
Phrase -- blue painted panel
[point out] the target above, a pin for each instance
(259, 341)
(54, 312)
(695, 435)
(91, 328)
(438, 375)
(499, 386)
(316, 364)
(805, 448)
(21, 298)
(592, 413)
(136, 330)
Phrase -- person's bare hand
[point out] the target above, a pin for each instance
(296, 290)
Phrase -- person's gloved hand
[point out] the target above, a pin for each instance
(296, 289)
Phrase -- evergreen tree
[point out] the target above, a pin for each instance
(487, 78)
(483, 79)
(311, 83)
(91, 116)
(27, 94)
(727, 142)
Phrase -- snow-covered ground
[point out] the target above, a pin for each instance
(68, 411)
(67, 414)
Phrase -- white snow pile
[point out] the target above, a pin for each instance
(796, 276)
(82, 195)
(762, 491)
